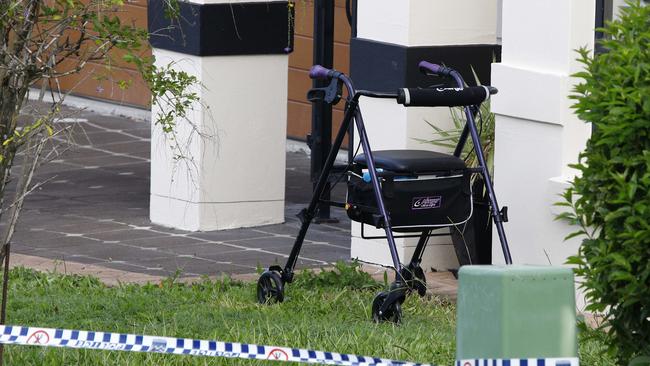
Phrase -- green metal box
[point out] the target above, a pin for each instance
(516, 312)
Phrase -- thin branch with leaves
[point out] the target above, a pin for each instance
(42, 41)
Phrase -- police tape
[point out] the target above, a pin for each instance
(48, 337)
(571, 361)
(68, 338)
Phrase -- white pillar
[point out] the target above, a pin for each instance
(234, 177)
(413, 25)
(537, 133)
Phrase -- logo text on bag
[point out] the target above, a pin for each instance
(422, 203)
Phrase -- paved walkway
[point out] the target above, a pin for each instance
(93, 212)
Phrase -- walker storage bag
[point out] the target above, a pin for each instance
(417, 193)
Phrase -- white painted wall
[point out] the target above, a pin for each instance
(428, 22)
(235, 176)
(537, 133)
(391, 126)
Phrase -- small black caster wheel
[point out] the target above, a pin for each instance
(270, 288)
(393, 312)
(419, 282)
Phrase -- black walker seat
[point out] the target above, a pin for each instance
(422, 190)
(403, 191)
(413, 161)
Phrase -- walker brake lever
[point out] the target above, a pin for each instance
(331, 94)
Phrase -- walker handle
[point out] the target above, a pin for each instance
(429, 68)
(320, 72)
(444, 97)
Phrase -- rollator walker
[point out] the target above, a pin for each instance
(412, 192)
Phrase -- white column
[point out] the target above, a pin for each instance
(414, 23)
(234, 177)
(537, 133)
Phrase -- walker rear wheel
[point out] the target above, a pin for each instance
(393, 312)
(270, 288)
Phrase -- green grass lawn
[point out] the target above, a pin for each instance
(327, 311)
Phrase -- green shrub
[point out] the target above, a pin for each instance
(610, 198)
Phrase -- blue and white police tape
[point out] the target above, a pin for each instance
(47, 337)
(521, 362)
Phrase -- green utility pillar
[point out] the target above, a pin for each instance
(516, 312)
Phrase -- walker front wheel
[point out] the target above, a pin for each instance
(270, 288)
(393, 312)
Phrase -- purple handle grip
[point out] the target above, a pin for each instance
(432, 68)
(319, 72)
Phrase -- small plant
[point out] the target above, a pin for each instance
(344, 275)
(449, 138)
(610, 197)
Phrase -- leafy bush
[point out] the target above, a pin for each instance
(610, 198)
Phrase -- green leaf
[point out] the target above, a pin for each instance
(575, 234)
(575, 260)
(640, 361)
(621, 276)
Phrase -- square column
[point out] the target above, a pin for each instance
(392, 38)
(231, 172)
(537, 133)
